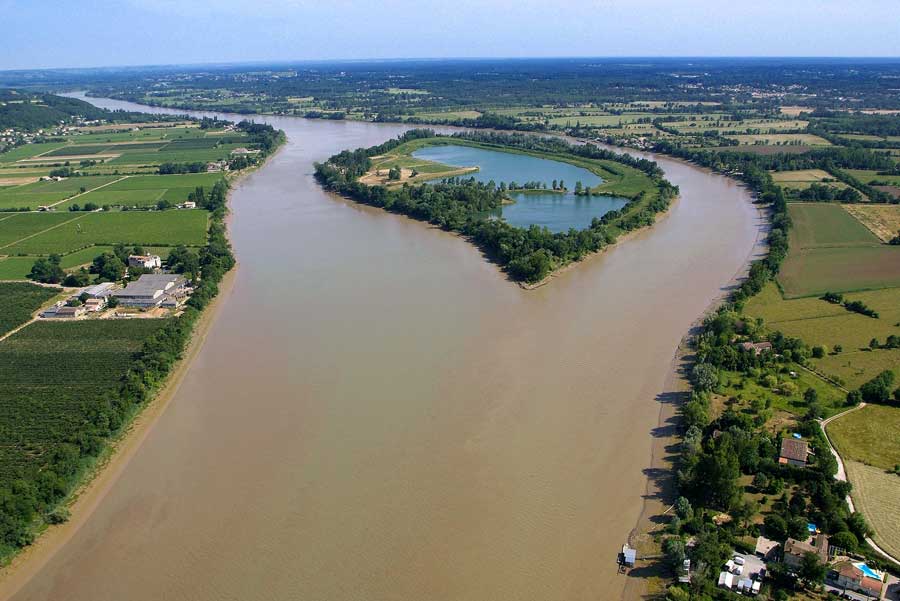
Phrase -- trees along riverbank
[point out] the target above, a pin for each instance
(460, 204)
(728, 460)
(34, 496)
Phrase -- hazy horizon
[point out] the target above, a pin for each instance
(104, 34)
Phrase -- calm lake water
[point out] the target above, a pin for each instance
(557, 212)
(378, 414)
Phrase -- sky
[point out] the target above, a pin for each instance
(94, 33)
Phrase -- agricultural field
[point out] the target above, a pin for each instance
(873, 177)
(41, 408)
(801, 179)
(881, 220)
(867, 440)
(818, 322)
(876, 494)
(18, 301)
(832, 251)
(147, 228)
(50, 192)
(15, 268)
(781, 139)
(147, 190)
(449, 115)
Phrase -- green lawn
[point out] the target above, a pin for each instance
(15, 268)
(746, 389)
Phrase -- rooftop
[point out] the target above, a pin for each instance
(791, 448)
(150, 284)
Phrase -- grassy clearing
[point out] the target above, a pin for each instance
(449, 115)
(876, 495)
(881, 220)
(744, 390)
(18, 301)
(867, 177)
(148, 228)
(821, 323)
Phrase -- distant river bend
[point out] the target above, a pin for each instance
(378, 414)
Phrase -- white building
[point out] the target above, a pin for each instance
(151, 290)
(145, 261)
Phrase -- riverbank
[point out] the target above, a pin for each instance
(100, 474)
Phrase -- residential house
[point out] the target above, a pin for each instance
(765, 548)
(857, 577)
(150, 290)
(793, 452)
(794, 550)
(145, 261)
(758, 348)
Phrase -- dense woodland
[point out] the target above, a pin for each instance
(28, 111)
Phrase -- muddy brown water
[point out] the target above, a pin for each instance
(377, 413)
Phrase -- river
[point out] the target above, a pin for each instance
(376, 413)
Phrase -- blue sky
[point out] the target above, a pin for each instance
(62, 33)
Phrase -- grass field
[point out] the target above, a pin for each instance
(830, 250)
(869, 436)
(818, 322)
(881, 220)
(18, 301)
(148, 228)
(41, 408)
(15, 268)
(867, 177)
(876, 494)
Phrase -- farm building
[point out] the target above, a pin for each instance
(92, 305)
(66, 312)
(100, 290)
(793, 451)
(145, 261)
(150, 290)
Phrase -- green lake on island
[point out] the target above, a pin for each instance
(556, 211)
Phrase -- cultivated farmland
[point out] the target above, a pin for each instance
(148, 228)
(42, 408)
(876, 494)
(881, 220)
(18, 301)
(832, 251)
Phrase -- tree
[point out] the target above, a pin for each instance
(776, 527)
(47, 271)
(811, 569)
(578, 188)
(878, 389)
(78, 279)
(874, 344)
(818, 352)
(674, 552)
(705, 376)
(108, 267)
(845, 540)
(683, 508)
